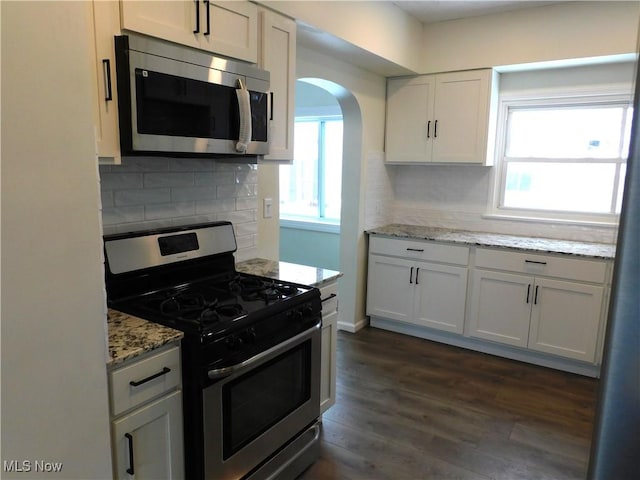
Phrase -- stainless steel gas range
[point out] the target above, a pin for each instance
(250, 355)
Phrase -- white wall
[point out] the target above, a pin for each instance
(567, 30)
(380, 28)
(364, 92)
(54, 381)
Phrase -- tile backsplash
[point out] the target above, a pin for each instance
(153, 192)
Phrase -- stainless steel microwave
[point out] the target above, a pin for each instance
(178, 101)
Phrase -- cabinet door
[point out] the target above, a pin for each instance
(233, 30)
(501, 307)
(461, 117)
(278, 56)
(328, 363)
(565, 319)
(390, 288)
(440, 296)
(106, 24)
(149, 441)
(409, 125)
(173, 20)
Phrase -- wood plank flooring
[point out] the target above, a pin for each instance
(409, 408)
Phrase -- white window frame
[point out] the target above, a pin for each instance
(602, 95)
(319, 224)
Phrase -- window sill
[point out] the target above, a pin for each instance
(550, 220)
(313, 225)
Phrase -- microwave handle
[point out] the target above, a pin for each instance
(244, 105)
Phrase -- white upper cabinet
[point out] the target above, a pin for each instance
(106, 24)
(278, 56)
(443, 118)
(225, 28)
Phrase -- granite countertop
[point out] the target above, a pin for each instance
(131, 336)
(546, 245)
(290, 272)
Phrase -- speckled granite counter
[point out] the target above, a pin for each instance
(131, 336)
(291, 272)
(545, 245)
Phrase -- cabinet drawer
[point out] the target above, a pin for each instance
(329, 298)
(150, 379)
(429, 251)
(548, 265)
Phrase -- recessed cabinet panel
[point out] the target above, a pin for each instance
(409, 109)
(461, 110)
(565, 319)
(440, 296)
(278, 56)
(500, 307)
(106, 24)
(233, 30)
(225, 28)
(174, 21)
(390, 292)
(148, 442)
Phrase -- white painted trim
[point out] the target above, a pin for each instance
(315, 226)
(353, 327)
(550, 220)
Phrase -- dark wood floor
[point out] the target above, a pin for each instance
(409, 408)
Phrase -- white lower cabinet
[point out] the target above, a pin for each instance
(547, 309)
(148, 441)
(419, 292)
(549, 315)
(329, 297)
(146, 417)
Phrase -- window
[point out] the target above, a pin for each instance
(563, 158)
(310, 188)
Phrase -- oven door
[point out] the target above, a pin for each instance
(261, 405)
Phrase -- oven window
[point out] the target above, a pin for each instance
(258, 400)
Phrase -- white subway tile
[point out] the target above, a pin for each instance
(169, 210)
(116, 215)
(142, 196)
(180, 194)
(168, 179)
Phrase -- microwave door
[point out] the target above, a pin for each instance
(184, 115)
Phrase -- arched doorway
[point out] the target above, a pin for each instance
(350, 204)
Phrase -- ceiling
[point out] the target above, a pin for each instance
(432, 11)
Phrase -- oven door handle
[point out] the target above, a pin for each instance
(218, 373)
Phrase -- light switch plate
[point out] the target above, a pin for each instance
(267, 208)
